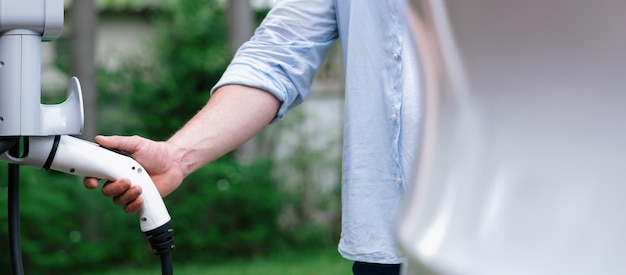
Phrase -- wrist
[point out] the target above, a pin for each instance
(177, 157)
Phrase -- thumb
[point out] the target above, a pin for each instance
(128, 145)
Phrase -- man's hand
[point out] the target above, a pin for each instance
(233, 114)
(158, 158)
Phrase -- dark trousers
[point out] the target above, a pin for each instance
(363, 268)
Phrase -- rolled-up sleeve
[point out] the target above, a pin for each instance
(285, 52)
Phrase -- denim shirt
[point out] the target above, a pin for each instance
(283, 57)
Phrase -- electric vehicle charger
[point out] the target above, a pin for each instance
(82, 158)
(42, 131)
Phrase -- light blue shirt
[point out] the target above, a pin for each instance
(283, 57)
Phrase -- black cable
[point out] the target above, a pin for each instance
(162, 241)
(166, 264)
(15, 246)
(7, 143)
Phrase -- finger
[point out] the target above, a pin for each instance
(134, 206)
(128, 196)
(91, 183)
(116, 188)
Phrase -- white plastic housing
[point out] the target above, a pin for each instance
(43, 17)
(522, 168)
(86, 159)
(23, 26)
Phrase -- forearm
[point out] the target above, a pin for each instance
(233, 115)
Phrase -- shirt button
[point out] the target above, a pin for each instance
(394, 117)
(398, 180)
(395, 56)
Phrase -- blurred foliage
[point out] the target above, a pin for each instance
(309, 179)
(137, 5)
(313, 261)
(233, 212)
(52, 206)
(191, 51)
(227, 209)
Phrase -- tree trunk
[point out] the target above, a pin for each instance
(240, 28)
(84, 17)
(240, 23)
(83, 20)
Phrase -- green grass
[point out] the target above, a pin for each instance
(317, 262)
